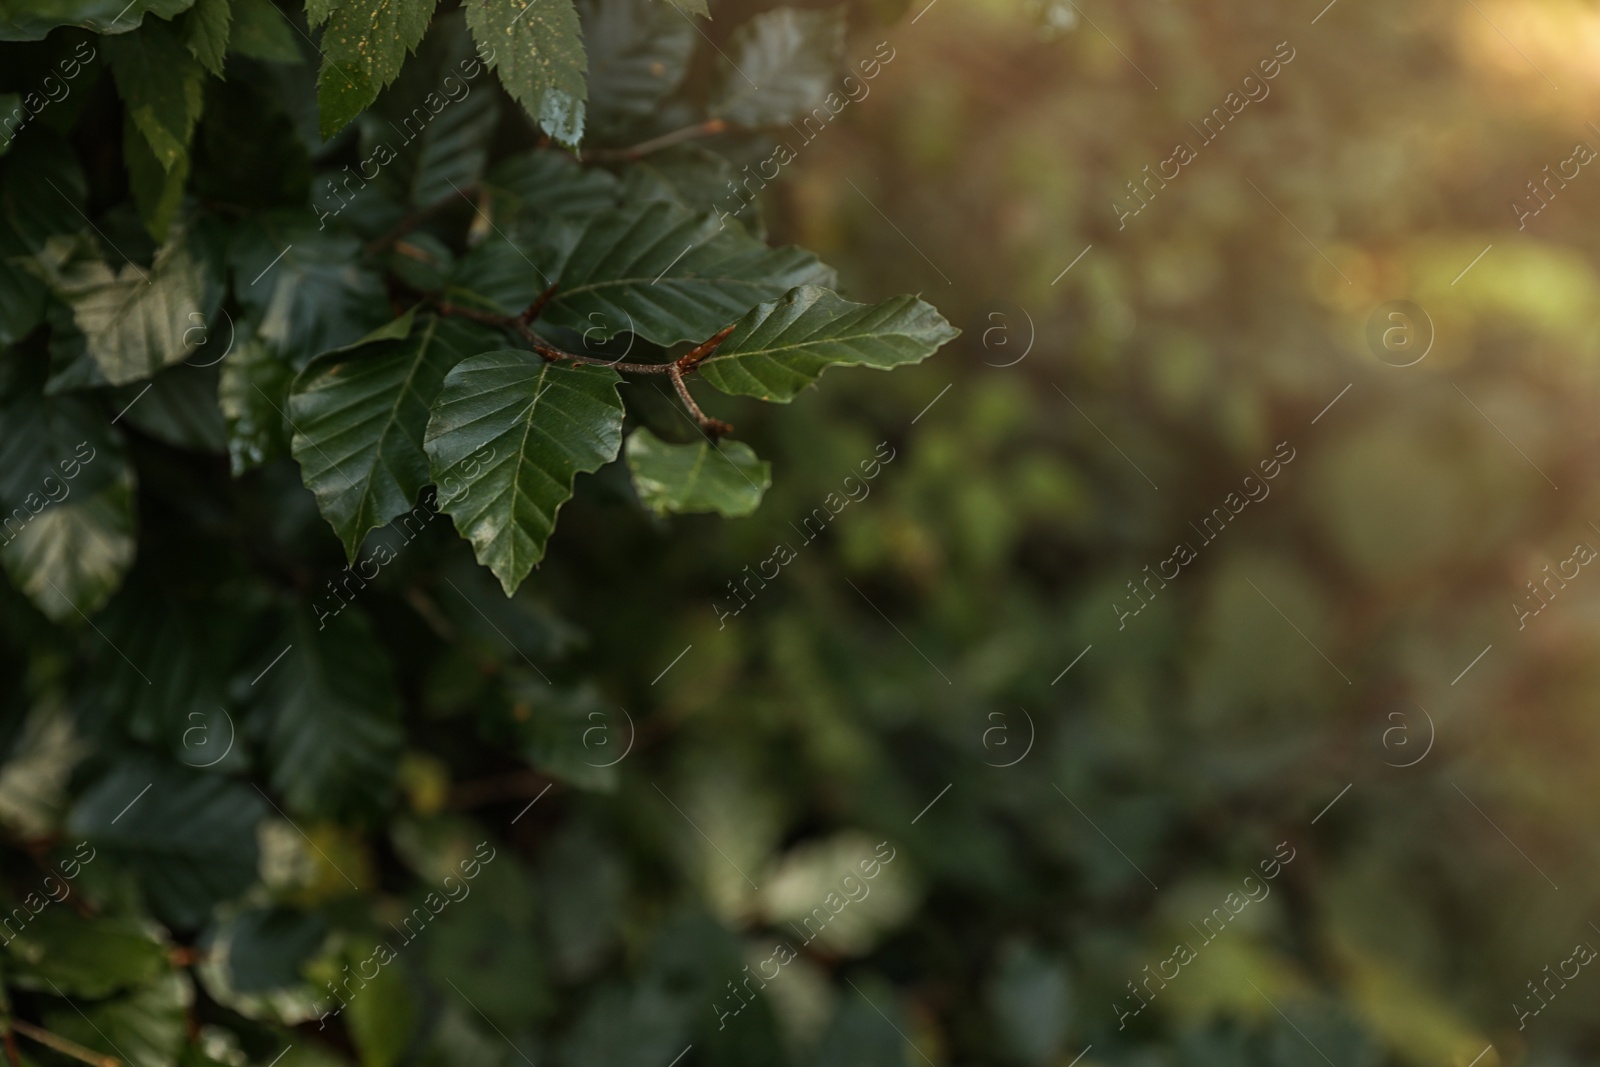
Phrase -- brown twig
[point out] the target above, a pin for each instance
(686, 363)
(532, 311)
(709, 128)
(63, 1046)
(514, 324)
(715, 427)
(13, 1054)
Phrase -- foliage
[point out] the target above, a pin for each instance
(878, 697)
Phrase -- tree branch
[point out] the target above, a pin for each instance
(63, 1046)
(515, 324)
(715, 427)
(655, 144)
(684, 364)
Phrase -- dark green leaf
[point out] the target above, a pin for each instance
(205, 32)
(333, 717)
(161, 85)
(189, 836)
(306, 287)
(31, 20)
(266, 947)
(254, 396)
(359, 415)
(537, 49)
(179, 408)
(434, 123)
(363, 46)
(781, 347)
(726, 478)
(261, 31)
(551, 184)
(509, 433)
(157, 191)
(779, 65)
(46, 437)
(638, 53)
(147, 1026)
(42, 191)
(666, 273)
(81, 956)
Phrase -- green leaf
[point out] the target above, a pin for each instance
(264, 948)
(157, 191)
(537, 49)
(359, 415)
(46, 440)
(491, 950)
(573, 735)
(363, 47)
(25, 21)
(638, 53)
(179, 407)
(551, 184)
(333, 729)
(666, 273)
(136, 320)
(163, 675)
(261, 31)
(190, 837)
(83, 956)
(781, 347)
(508, 435)
(42, 190)
(72, 556)
(306, 287)
(161, 84)
(434, 122)
(147, 1026)
(698, 179)
(382, 1018)
(205, 32)
(779, 65)
(254, 395)
(726, 478)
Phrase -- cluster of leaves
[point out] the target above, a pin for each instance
(244, 299)
(376, 345)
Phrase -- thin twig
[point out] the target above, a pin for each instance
(532, 311)
(514, 324)
(63, 1046)
(686, 363)
(409, 222)
(714, 427)
(708, 128)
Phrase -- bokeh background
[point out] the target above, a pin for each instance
(1342, 676)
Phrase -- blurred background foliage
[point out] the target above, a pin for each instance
(1317, 646)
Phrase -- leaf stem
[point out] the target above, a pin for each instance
(63, 1046)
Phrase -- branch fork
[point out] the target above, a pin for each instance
(522, 325)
